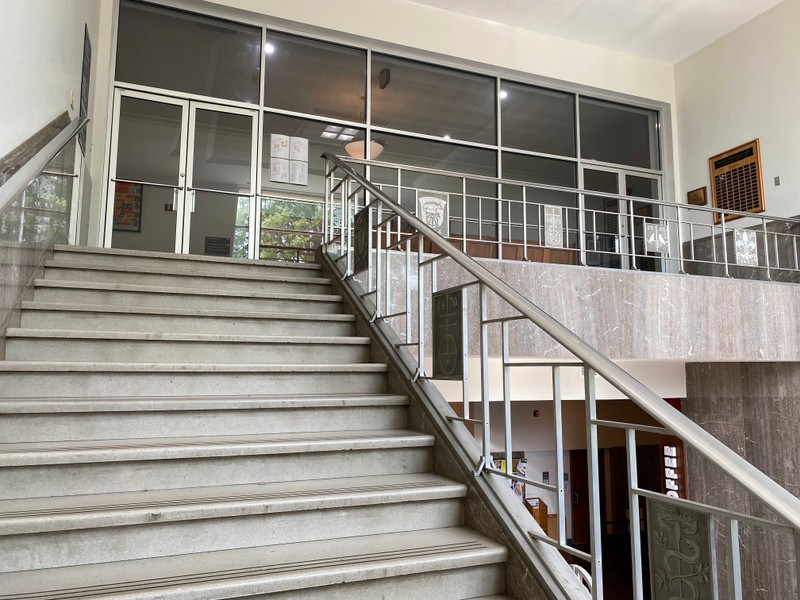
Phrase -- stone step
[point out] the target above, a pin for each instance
(289, 283)
(54, 315)
(65, 468)
(101, 346)
(28, 379)
(54, 419)
(191, 262)
(437, 564)
(83, 293)
(45, 533)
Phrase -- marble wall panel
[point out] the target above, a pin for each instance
(632, 314)
(754, 409)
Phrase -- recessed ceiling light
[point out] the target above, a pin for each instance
(269, 48)
(503, 94)
(345, 138)
(333, 129)
(350, 131)
(328, 134)
(447, 137)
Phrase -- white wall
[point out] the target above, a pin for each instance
(745, 86)
(41, 45)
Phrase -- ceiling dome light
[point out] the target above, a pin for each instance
(356, 148)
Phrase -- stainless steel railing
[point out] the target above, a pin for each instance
(508, 219)
(373, 238)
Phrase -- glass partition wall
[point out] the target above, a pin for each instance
(219, 127)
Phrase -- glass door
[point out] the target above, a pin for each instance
(183, 177)
(615, 227)
(148, 173)
(221, 182)
(605, 228)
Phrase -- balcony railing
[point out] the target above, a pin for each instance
(508, 219)
(449, 307)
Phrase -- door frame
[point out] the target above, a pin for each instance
(183, 197)
(625, 236)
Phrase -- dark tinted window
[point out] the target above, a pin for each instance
(181, 51)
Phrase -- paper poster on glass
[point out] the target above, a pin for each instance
(128, 207)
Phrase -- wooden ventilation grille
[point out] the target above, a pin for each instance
(736, 180)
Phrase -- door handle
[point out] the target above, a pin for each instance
(191, 201)
(575, 498)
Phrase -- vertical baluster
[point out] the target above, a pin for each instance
(725, 245)
(524, 223)
(582, 229)
(378, 259)
(734, 554)
(681, 268)
(766, 247)
(487, 441)
(632, 235)
(595, 522)
(507, 397)
(559, 437)
(464, 214)
(408, 286)
(420, 306)
(465, 352)
(633, 503)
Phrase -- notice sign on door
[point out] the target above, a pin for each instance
(448, 334)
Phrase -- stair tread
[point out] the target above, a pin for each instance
(72, 334)
(177, 311)
(180, 291)
(264, 569)
(65, 250)
(111, 367)
(151, 270)
(195, 403)
(169, 448)
(36, 515)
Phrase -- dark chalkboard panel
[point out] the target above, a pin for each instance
(448, 334)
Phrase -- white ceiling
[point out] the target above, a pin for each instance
(663, 30)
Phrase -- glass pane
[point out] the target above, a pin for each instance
(176, 50)
(423, 98)
(220, 225)
(45, 209)
(537, 119)
(539, 170)
(222, 151)
(144, 218)
(149, 141)
(601, 181)
(641, 187)
(320, 136)
(317, 78)
(290, 229)
(621, 134)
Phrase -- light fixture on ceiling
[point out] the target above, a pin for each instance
(503, 94)
(356, 147)
(269, 48)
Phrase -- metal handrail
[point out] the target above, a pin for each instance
(758, 483)
(27, 173)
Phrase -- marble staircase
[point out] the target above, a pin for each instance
(177, 427)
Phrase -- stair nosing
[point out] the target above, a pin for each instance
(19, 333)
(110, 367)
(31, 454)
(271, 569)
(92, 286)
(211, 403)
(52, 264)
(94, 511)
(183, 257)
(33, 305)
